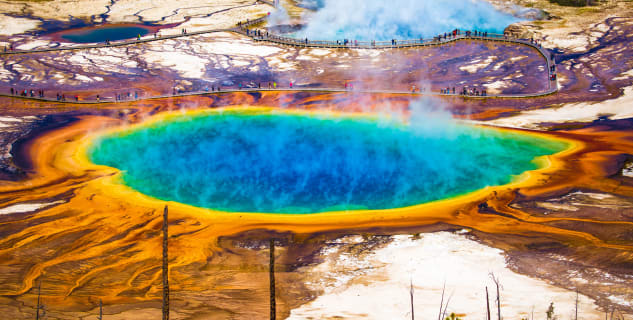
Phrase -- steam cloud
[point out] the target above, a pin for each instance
(400, 19)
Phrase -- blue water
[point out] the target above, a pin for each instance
(380, 20)
(103, 33)
(287, 163)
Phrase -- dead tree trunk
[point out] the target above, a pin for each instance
(487, 305)
(411, 293)
(498, 303)
(576, 308)
(448, 301)
(271, 272)
(439, 316)
(165, 268)
(496, 281)
(37, 310)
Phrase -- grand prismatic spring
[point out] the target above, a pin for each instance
(316, 159)
(298, 163)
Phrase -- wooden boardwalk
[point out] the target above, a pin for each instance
(111, 100)
(262, 36)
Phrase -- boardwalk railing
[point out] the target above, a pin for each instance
(259, 35)
(110, 100)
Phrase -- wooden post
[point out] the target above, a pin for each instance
(165, 268)
(271, 272)
(487, 305)
(100, 309)
(37, 310)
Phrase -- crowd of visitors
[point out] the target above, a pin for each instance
(264, 34)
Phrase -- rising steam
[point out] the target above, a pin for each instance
(400, 19)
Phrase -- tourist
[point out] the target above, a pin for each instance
(453, 90)
(290, 84)
(11, 91)
(76, 98)
(240, 86)
(63, 97)
(135, 95)
(259, 85)
(138, 37)
(275, 85)
(98, 98)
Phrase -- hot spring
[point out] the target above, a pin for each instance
(261, 160)
(104, 32)
(379, 20)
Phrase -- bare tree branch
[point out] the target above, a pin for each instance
(439, 316)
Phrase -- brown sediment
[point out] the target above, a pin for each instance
(105, 241)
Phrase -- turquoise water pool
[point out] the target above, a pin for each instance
(300, 163)
(103, 33)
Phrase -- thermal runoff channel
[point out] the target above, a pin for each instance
(297, 162)
(380, 20)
